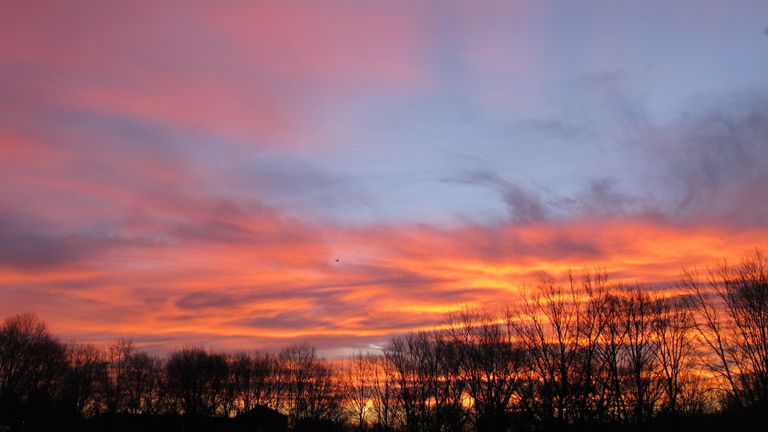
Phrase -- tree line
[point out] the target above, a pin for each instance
(577, 353)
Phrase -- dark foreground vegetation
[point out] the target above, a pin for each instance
(576, 354)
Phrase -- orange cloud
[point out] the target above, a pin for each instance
(152, 155)
(280, 280)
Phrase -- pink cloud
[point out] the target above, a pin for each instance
(256, 72)
(248, 278)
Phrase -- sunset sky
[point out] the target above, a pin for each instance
(249, 174)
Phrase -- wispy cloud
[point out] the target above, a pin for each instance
(179, 172)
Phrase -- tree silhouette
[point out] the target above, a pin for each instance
(732, 320)
(32, 370)
(572, 354)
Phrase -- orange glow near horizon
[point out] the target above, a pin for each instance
(388, 280)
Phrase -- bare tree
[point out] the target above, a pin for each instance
(143, 374)
(588, 397)
(32, 368)
(732, 320)
(611, 355)
(251, 382)
(357, 381)
(672, 326)
(641, 357)
(548, 327)
(385, 401)
(310, 390)
(82, 391)
(411, 362)
(195, 381)
(449, 384)
(428, 381)
(491, 361)
(115, 377)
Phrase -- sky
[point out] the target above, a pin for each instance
(250, 174)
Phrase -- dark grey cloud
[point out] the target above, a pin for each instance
(708, 164)
(325, 295)
(611, 91)
(291, 320)
(554, 128)
(207, 299)
(495, 245)
(603, 197)
(596, 197)
(524, 206)
(30, 250)
(229, 221)
(387, 321)
(29, 242)
(718, 162)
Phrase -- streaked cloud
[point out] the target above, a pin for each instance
(251, 174)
